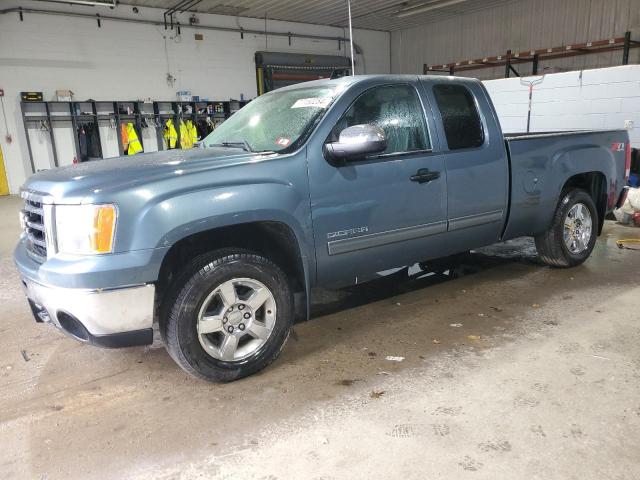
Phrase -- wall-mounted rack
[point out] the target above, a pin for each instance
(510, 58)
(54, 114)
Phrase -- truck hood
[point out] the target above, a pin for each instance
(77, 183)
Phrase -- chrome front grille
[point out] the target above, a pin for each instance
(34, 224)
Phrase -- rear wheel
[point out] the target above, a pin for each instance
(572, 235)
(227, 316)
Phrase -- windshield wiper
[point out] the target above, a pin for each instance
(234, 144)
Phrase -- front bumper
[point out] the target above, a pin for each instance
(121, 317)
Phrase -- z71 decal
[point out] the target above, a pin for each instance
(617, 147)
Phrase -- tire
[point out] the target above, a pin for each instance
(196, 302)
(551, 245)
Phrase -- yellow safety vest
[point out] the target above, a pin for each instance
(185, 137)
(134, 143)
(193, 132)
(170, 135)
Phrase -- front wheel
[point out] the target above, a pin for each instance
(572, 235)
(228, 315)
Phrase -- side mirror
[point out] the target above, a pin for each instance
(357, 141)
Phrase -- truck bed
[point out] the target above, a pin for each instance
(554, 133)
(540, 163)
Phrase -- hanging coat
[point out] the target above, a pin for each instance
(170, 135)
(202, 128)
(83, 145)
(185, 137)
(193, 132)
(134, 142)
(124, 136)
(93, 137)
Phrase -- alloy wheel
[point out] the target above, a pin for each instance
(236, 319)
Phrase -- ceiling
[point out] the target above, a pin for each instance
(371, 14)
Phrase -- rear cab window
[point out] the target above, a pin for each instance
(460, 117)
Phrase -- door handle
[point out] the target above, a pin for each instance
(424, 176)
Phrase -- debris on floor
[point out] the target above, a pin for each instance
(377, 393)
(391, 358)
(455, 325)
(347, 382)
(24, 355)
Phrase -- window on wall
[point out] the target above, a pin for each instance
(394, 108)
(462, 125)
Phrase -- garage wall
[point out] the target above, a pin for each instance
(518, 25)
(127, 61)
(605, 98)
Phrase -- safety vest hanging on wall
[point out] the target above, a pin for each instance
(134, 142)
(124, 136)
(193, 132)
(170, 135)
(185, 137)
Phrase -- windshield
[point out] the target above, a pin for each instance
(275, 121)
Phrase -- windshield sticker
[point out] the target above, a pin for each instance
(283, 141)
(313, 102)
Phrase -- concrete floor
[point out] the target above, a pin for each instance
(514, 370)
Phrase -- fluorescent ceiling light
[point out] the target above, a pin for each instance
(427, 8)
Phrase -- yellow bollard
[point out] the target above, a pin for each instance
(4, 185)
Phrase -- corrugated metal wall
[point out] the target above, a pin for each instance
(519, 25)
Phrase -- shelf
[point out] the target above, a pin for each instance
(510, 58)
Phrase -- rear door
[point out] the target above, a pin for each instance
(373, 214)
(475, 160)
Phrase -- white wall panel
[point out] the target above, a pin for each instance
(571, 101)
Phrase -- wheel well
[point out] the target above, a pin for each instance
(273, 240)
(595, 184)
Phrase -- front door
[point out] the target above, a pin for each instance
(384, 211)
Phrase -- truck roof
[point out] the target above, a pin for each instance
(391, 78)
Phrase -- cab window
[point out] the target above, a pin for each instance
(394, 108)
(460, 117)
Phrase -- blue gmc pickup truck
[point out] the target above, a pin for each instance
(322, 183)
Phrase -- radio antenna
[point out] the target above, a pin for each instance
(353, 68)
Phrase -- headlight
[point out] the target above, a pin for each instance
(85, 229)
